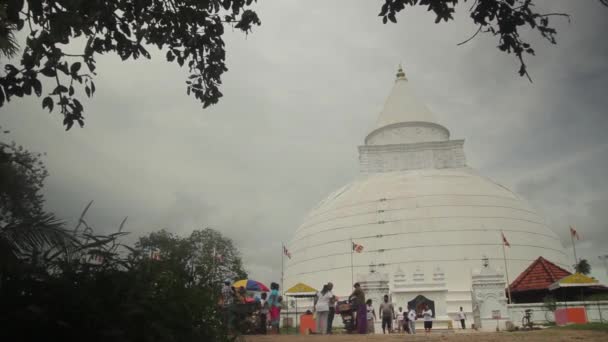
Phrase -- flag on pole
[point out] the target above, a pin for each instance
(286, 252)
(504, 240)
(574, 233)
(357, 247)
(96, 259)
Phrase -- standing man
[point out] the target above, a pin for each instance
(387, 312)
(332, 308)
(462, 317)
(411, 316)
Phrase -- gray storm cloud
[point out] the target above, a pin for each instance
(301, 93)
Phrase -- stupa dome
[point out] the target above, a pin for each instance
(417, 207)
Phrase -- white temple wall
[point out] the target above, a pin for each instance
(439, 297)
(457, 273)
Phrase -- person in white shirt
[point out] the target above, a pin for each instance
(427, 314)
(371, 316)
(263, 313)
(322, 309)
(400, 317)
(411, 323)
(462, 317)
(332, 309)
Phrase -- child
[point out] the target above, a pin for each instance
(263, 313)
(371, 316)
(400, 319)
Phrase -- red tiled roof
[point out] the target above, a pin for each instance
(538, 276)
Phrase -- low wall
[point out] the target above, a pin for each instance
(597, 311)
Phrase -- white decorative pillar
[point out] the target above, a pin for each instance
(488, 297)
(375, 285)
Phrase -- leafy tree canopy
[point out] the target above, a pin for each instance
(189, 30)
(24, 225)
(504, 19)
(583, 267)
(209, 256)
(99, 289)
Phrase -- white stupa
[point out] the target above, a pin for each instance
(417, 208)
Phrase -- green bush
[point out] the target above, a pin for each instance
(123, 296)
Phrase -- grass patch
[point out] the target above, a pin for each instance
(588, 326)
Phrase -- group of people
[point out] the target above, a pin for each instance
(364, 314)
(405, 321)
(232, 295)
(325, 309)
(269, 306)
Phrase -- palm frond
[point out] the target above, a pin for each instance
(9, 47)
(37, 233)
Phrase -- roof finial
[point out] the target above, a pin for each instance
(400, 73)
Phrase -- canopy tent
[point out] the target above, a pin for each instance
(300, 290)
(251, 285)
(576, 286)
(574, 280)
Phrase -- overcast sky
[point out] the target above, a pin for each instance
(301, 94)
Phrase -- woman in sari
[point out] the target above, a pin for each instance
(358, 300)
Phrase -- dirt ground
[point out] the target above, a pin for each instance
(550, 335)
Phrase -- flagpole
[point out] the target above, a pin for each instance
(282, 265)
(352, 273)
(574, 249)
(214, 267)
(504, 255)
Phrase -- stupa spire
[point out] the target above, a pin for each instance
(402, 105)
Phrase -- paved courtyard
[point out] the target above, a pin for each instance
(549, 335)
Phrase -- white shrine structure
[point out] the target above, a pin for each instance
(489, 302)
(424, 218)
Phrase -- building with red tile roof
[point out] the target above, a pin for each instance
(532, 285)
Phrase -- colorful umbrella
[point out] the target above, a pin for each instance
(251, 285)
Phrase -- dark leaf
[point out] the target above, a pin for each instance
(47, 102)
(78, 105)
(74, 68)
(48, 72)
(60, 89)
(68, 123)
(170, 56)
(37, 86)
